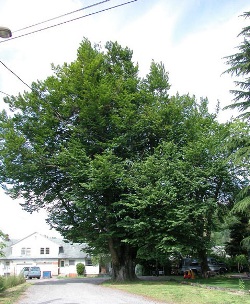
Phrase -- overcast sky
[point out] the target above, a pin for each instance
(190, 37)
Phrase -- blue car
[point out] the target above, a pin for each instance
(31, 272)
(25, 271)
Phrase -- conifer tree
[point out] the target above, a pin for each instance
(240, 67)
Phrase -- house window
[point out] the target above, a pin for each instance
(62, 264)
(44, 250)
(25, 251)
(72, 262)
(61, 249)
(88, 262)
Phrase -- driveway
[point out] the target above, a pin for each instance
(77, 291)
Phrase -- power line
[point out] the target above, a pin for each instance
(5, 93)
(97, 12)
(16, 76)
(90, 14)
(78, 10)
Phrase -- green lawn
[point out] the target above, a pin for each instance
(202, 291)
(220, 282)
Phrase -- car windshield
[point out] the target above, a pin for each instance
(35, 268)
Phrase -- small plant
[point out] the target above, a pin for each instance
(241, 261)
(2, 287)
(80, 268)
(11, 281)
(241, 284)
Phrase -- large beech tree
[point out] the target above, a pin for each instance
(186, 186)
(69, 145)
(115, 161)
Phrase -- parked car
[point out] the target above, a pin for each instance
(31, 272)
(216, 267)
(193, 264)
(190, 264)
(34, 272)
(25, 271)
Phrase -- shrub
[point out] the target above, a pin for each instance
(11, 281)
(242, 262)
(2, 287)
(80, 268)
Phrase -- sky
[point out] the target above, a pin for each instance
(191, 38)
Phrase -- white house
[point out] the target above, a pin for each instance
(52, 255)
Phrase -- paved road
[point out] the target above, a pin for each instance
(77, 291)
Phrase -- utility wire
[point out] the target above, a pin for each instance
(33, 90)
(5, 93)
(97, 12)
(90, 14)
(78, 10)
(16, 76)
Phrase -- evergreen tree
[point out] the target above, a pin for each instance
(239, 229)
(240, 67)
(240, 141)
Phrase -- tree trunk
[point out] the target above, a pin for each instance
(204, 265)
(123, 261)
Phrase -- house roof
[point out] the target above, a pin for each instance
(19, 240)
(68, 250)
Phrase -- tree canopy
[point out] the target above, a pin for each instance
(2, 242)
(115, 160)
(240, 67)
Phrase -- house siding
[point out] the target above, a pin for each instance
(28, 252)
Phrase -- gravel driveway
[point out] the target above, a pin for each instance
(77, 291)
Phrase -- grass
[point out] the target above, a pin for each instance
(11, 281)
(221, 282)
(202, 291)
(11, 295)
(11, 288)
(216, 290)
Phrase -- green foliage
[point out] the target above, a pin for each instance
(239, 145)
(242, 262)
(178, 187)
(80, 268)
(239, 229)
(2, 244)
(2, 285)
(101, 259)
(214, 290)
(110, 155)
(241, 284)
(10, 281)
(240, 67)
